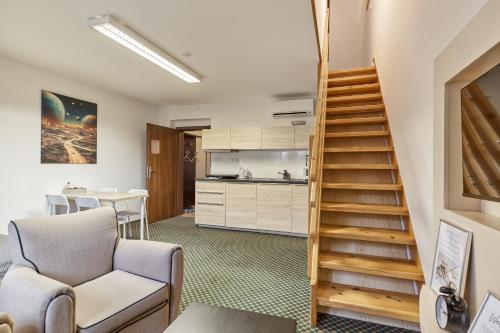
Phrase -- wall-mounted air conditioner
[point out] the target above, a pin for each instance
(295, 108)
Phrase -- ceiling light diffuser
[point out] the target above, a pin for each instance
(122, 34)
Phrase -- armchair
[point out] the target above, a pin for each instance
(72, 273)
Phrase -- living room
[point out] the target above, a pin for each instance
(231, 167)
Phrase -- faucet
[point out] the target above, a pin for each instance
(286, 174)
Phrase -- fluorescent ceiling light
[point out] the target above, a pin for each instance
(120, 33)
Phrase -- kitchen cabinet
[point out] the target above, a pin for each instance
(299, 209)
(210, 202)
(278, 137)
(216, 138)
(241, 206)
(274, 207)
(301, 136)
(246, 138)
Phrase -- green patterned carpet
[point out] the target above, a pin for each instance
(245, 270)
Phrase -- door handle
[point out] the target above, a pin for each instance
(150, 171)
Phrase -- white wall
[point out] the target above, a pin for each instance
(349, 34)
(320, 9)
(242, 114)
(463, 60)
(405, 38)
(24, 181)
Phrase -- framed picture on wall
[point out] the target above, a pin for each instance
(69, 130)
(487, 319)
(451, 258)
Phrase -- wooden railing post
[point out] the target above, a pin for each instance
(316, 174)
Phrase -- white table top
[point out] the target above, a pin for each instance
(106, 196)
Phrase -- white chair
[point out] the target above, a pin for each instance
(129, 215)
(56, 200)
(86, 203)
(120, 222)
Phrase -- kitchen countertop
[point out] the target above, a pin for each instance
(255, 180)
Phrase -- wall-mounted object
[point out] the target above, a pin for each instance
(451, 258)
(292, 108)
(481, 136)
(69, 130)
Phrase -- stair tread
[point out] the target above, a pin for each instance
(353, 71)
(396, 268)
(367, 234)
(356, 134)
(356, 108)
(352, 80)
(364, 208)
(358, 149)
(363, 186)
(354, 89)
(354, 98)
(360, 166)
(353, 121)
(375, 302)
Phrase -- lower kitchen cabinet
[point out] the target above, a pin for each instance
(241, 206)
(210, 202)
(299, 209)
(274, 207)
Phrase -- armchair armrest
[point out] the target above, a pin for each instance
(6, 323)
(154, 260)
(36, 302)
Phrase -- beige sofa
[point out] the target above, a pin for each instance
(72, 273)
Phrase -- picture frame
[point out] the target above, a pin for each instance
(451, 257)
(487, 319)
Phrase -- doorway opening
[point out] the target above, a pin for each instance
(195, 165)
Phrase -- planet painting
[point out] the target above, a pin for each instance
(69, 130)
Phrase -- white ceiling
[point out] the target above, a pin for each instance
(245, 50)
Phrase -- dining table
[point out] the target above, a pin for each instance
(113, 198)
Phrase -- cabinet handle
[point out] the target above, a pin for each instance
(210, 203)
(212, 192)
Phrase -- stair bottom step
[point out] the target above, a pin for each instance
(369, 301)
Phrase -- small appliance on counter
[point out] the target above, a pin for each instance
(305, 172)
(245, 173)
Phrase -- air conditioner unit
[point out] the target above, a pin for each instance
(295, 108)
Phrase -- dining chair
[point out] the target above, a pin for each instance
(56, 200)
(86, 203)
(126, 216)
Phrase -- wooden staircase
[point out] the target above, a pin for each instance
(363, 256)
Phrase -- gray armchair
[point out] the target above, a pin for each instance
(72, 273)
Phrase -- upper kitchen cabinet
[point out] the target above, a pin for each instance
(302, 134)
(278, 138)
(246, 138)
(216, 138)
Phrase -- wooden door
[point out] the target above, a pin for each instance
(164, 172)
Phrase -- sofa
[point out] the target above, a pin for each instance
(72, 273)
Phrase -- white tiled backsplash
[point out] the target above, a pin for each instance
(262, 164)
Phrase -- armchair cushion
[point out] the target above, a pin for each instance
(116, 299)
(72, 249)
(154, 260)
(37, 303)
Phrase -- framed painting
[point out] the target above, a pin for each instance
(69, 130)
